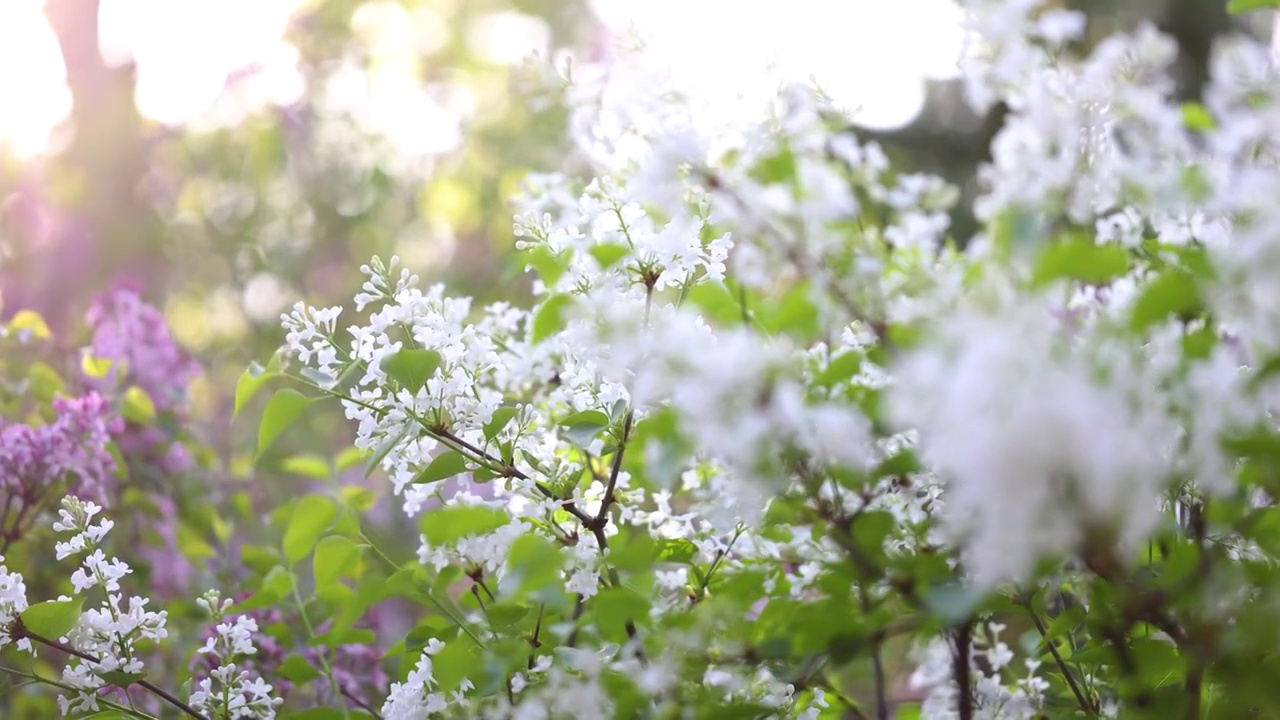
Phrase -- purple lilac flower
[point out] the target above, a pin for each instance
(132, 333)
(35, 460)
(127, 329)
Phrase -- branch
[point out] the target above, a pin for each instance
(19, 631)
(961, 671)
(602, 516)
(1089, 708)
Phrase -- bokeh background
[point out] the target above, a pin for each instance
(231, 156)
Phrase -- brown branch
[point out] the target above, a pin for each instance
(18, 631)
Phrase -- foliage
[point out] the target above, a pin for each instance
(765, 443)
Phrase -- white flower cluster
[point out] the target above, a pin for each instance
(230, 691)
(418, 696)
(1048, 418)
(111, 632)
(13, 600)
(994, 697)
(1039, 451)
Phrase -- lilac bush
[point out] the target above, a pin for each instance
(767, 442)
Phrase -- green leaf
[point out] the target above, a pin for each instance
(870, 530)
(501, 417)
(52, 619)
(445, 465)
(297, 670)
(1197, 117)
(334, 555)
(1240, 6)
(1172, 293)
(277, 583)
(120, 678)
(1079, 258)
(582, 427)
(349, 458)
(796, 314)
(282, 409)
(505, 614)
(95, 367)
(358, 498)
(252, 379)
(902, 463)
(453, 523)
(533, 563)
(615, 607)
(306, 465)
(412, 368)
(550, 317)
(317, 377)
(777, 168)
(549, 266)
(717, 302)
(841, 369)
(136, 406)
(608, 253)
(953, 603)
(311, 517)
(31, 323)
(1064, 623)
(677, 550)
(45, 383)
(385, 449)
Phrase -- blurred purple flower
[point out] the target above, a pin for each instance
(36, 460)
(126, 329)
(133, 334)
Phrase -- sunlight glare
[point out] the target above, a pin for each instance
(870, 56)
(33, 80)
(185, 49)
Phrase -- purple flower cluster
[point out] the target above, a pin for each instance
(132, 333)
(126, 329)
(66, 456)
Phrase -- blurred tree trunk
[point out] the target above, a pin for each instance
(84, 223)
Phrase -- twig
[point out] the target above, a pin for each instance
(360, 704)
(602, 516)
(19, 631)
(961, 670)
(1089, 708)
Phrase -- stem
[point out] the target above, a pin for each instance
(1088, 707)
(361, 704)
(961, 671)
(40, 679)
(426, 592)
(324, 656)
(877, 661)
(534, 642)
(19, 631)
(602, 517)
(579, 606)
(1193, 687)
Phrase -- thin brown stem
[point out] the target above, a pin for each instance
(360, 703)
(603, 515)
(1088, 707)
(962, 672)
(534, 642)
(19, 631)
